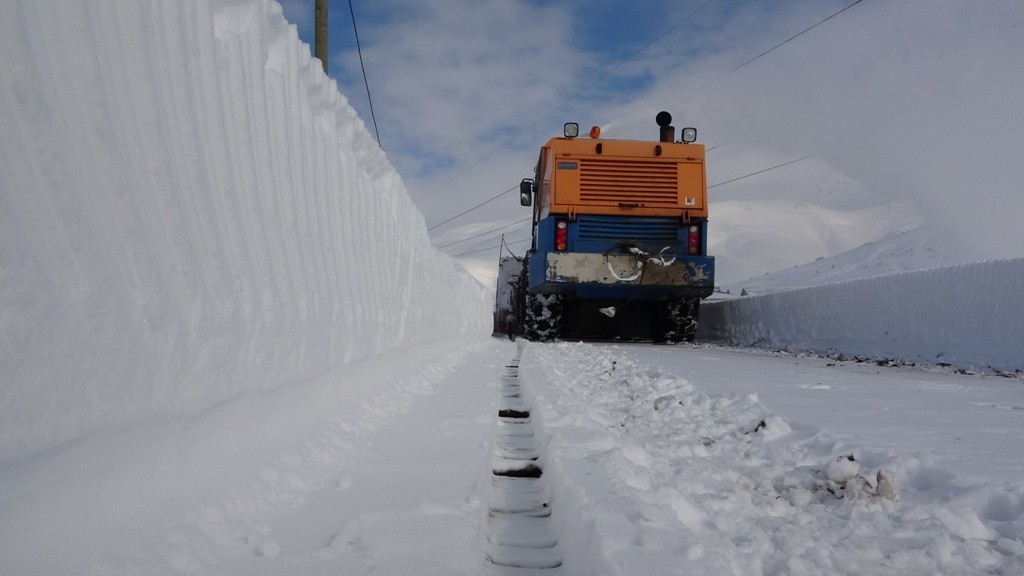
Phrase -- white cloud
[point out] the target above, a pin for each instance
(451, 79)
(913, 100)
(918, 100)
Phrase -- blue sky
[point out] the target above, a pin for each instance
(465, 92)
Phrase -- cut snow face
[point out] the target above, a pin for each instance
(962, 315)
(374, 467)
(190, 211)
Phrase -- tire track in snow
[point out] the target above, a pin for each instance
(521, 537)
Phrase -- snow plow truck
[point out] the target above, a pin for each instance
(619, 247)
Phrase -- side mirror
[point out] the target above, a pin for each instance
(526, 188)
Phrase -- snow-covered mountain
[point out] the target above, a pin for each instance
(919, 248)
(754, 237)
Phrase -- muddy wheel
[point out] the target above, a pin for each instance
(681, 320)
(543, 318)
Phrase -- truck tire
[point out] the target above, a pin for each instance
(543, 320)
(517, 314)
(681, 316)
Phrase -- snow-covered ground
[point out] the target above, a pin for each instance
(227, 348)
(371, 466)
(656, 459)
(661, 474)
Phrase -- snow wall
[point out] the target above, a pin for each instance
(190, 210)
(969, 315)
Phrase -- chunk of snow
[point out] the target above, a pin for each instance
(841, 469)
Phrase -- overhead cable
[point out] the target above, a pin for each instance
(438, 225)
(485, 233)
(473, 208)
(503, 243)
(361, 66)
(570, 99)
(762, 171)
(610, 71)
(492, 230)
(795, 36)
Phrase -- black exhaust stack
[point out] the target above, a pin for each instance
(668, 132)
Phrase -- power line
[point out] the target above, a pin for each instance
(473, 208)
(762, 171)
(506, 244)
(795, 36)
(486, 232)
(605, 75)
(365, 82)
(510, 190)
(492, 230)
(610, 71)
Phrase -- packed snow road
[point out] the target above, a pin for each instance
(653, 460)
(375, 468)
(969, 425)
(711, 461)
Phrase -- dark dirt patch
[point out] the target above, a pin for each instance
(530, 471)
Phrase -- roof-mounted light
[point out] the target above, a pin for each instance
(571, 130)
(689, 135)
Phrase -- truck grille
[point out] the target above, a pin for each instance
(617, 229)
(652, 184)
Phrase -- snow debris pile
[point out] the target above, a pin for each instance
(658, 476)
(843, 479)
(189, 211)
(963, 315)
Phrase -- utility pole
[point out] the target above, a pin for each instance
(320, 36)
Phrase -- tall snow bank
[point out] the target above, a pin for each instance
(968, 315)
(190, 210)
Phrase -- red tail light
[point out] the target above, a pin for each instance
(561, 235)
(694, 244)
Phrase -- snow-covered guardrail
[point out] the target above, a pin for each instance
(969, 315)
